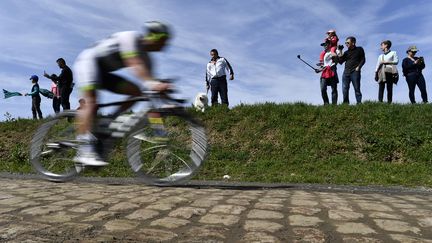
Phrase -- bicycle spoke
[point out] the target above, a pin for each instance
(174, 161)
(53, 147)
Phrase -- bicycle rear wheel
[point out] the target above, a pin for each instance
(53, 147)
(176, 158)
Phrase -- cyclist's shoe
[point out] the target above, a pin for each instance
(86, 154)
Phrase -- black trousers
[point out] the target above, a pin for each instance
(64, 97)
(219, 86)
(389, 83)
(36, 101)
(56, 104)
(418, 79)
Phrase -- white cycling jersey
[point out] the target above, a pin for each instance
(112, 50)
(107, 55)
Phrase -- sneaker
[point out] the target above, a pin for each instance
(87, 156)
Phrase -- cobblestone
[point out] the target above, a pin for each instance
(219, 219)
(120, 225)
(395, 225)
(40, 211)
(170, 222)
(264, 214)
(354, 228)
(228, 209)
(262, 225)
(300, 220)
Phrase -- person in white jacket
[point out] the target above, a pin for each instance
(385, 71)
(216, 74)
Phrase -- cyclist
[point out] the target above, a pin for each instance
(94, 70)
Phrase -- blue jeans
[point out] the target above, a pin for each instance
(353, 77)
(418, 79)
(219, 86)
(333, 84)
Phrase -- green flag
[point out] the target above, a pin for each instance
(8, 94)
(46, 93)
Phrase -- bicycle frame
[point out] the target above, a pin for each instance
(110, 128)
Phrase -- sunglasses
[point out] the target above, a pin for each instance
(347, 43)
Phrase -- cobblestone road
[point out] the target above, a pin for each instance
(38, 211)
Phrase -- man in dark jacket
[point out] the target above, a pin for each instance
(412, 68)
(64, 82)
(354, 59)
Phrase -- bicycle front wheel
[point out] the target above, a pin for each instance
(173, 158)
(53, 147)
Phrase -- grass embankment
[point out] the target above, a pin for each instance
(367, 144)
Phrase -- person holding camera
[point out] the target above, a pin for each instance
(412, 67)
(354, 59)
(329, 75)
(386, 72)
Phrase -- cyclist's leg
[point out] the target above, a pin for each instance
(87, 74)
(120, 85)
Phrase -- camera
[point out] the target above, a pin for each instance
(340, 47)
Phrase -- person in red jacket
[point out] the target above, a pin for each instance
(332, 40)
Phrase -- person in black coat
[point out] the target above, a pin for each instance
(412, 67)
(64, 82)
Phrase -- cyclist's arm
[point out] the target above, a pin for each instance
(141, 70)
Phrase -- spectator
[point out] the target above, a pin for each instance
(56, 97)
(412, 67)
(354, 59)
(81, 104)
(385, 69)
(329, 74)
(332, 40)
(64, 82)
(36, 99)
(216, 77)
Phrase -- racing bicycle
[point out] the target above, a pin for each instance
(173, 160)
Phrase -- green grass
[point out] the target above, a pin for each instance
(367, 144)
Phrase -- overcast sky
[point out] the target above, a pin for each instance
(260, 38)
